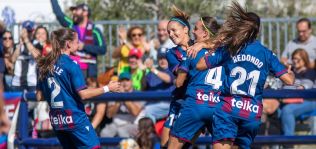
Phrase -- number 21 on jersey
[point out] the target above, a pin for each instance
(243, 76)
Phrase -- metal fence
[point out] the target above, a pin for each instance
(275, 33)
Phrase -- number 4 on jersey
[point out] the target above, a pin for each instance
(213, 77)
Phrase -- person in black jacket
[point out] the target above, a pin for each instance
(91, 41)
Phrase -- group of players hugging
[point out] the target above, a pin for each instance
(219, 83)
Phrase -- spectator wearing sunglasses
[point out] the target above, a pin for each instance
(131, 39)
(8, 49)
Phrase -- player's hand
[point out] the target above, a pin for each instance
(114, 86)
(194, 49)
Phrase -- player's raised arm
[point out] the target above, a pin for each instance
(92, 92)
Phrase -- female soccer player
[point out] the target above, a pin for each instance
(62, 84)
(178, 29)
(247, 65)
(202, 92)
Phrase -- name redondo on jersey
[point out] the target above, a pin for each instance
(249, 58)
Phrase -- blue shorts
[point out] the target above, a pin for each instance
(226, 127)
(81, 138)
(175, 106)
(192, 119)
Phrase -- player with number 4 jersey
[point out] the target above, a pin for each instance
(62, 85)
(237, 117)
(202, 92)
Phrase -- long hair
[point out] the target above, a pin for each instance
(303, 54)
(47, 33)
(58, 39)
(146, 133)
(210, 25)
(240, 28)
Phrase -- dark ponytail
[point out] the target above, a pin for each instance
(240, 28)
(146, 135)
(58, 41)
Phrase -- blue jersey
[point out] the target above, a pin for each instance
(246, 74)
(174, 57)
(60, 89)
(204, 86)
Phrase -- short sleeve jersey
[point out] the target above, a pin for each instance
(246, 74)
(204, 86)
(60, 90)
(174, 57)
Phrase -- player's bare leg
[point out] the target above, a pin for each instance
(175, 143)
(223, 145)
(164, 137)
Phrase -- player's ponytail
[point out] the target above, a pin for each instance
(180, 17)
(58, 41)
(240, 28)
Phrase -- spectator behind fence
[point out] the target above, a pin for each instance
(157, 79)
(146, 136)
(304, 77)
(305, 40)
(123, 113)
(8, 49)
(163, 43)
(42, 39)
(135, 67)
(24, 56)
(130, 40)
(91, 42)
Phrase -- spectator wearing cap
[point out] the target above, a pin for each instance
(157, 79)
(91, 42)
(132, 39)
(24, 59)
(305, 40)
(304, 77)
(163, 43)
(135, 68)
(122, 113)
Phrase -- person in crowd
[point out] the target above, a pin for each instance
(63, 86)
(91, 41)
(163, 43)
(305, 40)
(24, 59)
(8, 49)
(237, 37)
(146, 137)
(136, 68)
(123, 113)
(42, 38)
(133, 39)
(157, 79)
(304, 78)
